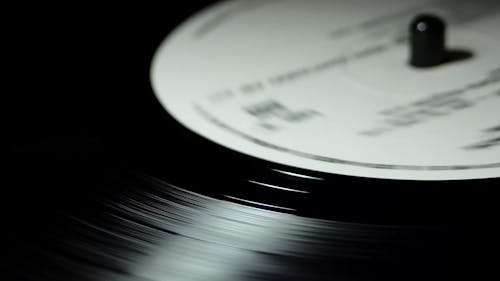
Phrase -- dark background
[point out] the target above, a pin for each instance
(79, 100)
(83, 70)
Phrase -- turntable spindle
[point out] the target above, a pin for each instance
(427, 41)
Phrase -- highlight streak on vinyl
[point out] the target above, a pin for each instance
(163, 232)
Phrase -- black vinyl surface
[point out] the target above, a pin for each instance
(101, 184)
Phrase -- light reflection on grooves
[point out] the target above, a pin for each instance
(260, 204)
(277, 187)
(152, 230)
(298, 175)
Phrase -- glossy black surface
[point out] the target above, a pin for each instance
(101, 184)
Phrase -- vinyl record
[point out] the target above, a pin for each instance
(276, 140)
(319, 104)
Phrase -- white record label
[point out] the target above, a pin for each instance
(326, 86)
